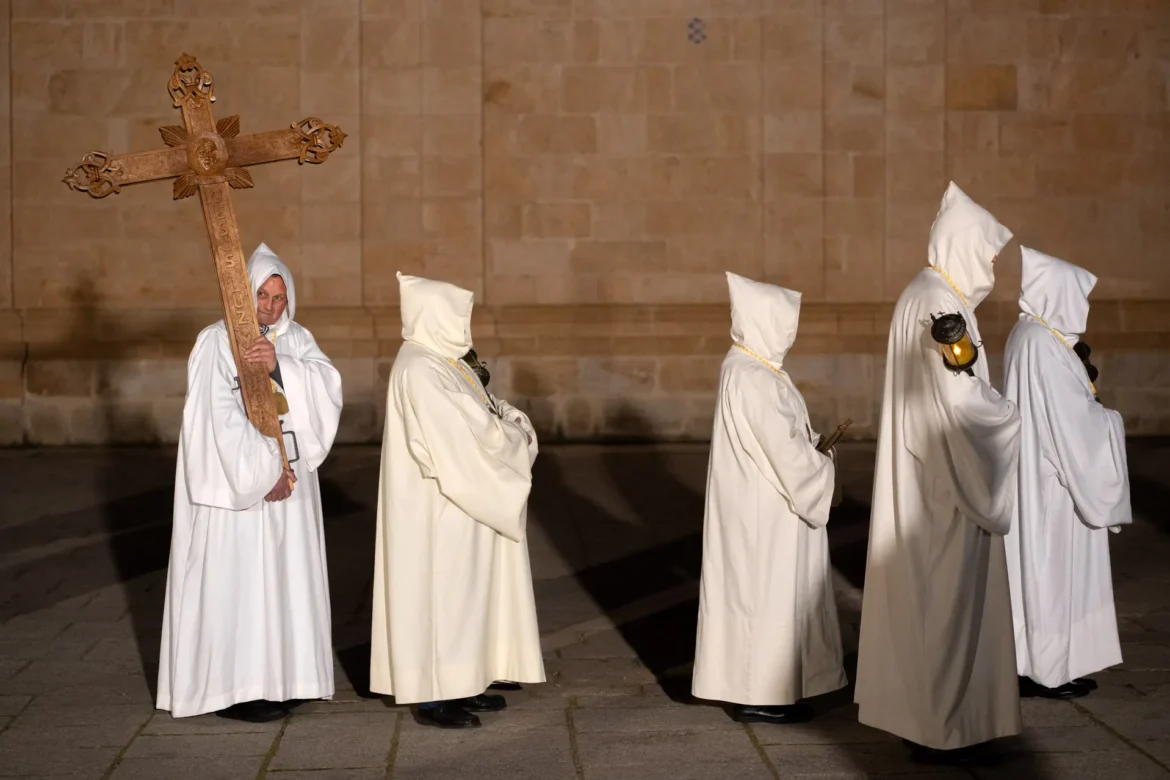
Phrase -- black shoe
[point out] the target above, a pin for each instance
(788, 713)
(505, 685)
(485, 702)
(1087, 683)
(256, 711)
(448, 715)
(964, 756)
(1030, 689)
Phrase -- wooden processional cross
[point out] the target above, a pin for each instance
(211, 158)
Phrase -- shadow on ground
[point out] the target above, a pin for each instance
(624, 549)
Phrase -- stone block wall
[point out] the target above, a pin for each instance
(589, 168)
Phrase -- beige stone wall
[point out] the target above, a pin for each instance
(589, 168)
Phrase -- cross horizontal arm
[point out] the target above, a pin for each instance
(260, 148)
(308, 141)
(101, 174)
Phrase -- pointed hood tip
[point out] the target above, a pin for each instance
(764, 317)
(1055, 292)
(965, 239)
(436, 315)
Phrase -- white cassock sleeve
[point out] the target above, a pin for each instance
(779, 446)
(1088, 441)
(480, 461)
(838, 491)
(313, 388)
(980, 431)
(513, 415)
(228, 463)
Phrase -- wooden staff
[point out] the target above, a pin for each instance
(827, 444)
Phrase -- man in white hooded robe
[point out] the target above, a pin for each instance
(246, 623)
(453, 605)
(1073, 485)
(768, 634)
(936, 657)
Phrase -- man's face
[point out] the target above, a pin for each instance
(271, 301)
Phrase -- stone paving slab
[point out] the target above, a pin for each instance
(823, 731)
(498, 748)
(188, 746)
(34, 737)
(64, 760)
(313, 741)
(329, 774)
(691, 770)
(209, 767)
(162, 725)
(604, 720)
(639, 749)
(615, 544)
(1144, 717)
(1113, 765)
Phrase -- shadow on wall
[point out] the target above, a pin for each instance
(115, 550)
(123, 536)
(138, 524)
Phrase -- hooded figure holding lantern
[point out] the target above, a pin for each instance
(936, 657)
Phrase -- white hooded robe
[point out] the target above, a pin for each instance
(453, 607)
(1073, 484)
(247, 601)
(768, 631)
(936, 657)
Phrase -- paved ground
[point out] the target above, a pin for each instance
(615, 545)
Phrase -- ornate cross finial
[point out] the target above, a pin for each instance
(96, 175)
(190, 82)
(318, 139)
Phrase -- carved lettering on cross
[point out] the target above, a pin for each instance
(211, 158)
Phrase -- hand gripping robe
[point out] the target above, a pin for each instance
(768, 631)
(247, 602)
(453, 606)
(935, 662)
(1073, 484)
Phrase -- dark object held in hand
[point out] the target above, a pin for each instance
(1083, 351)
(479, 368)
(827, 444)
(958, 352)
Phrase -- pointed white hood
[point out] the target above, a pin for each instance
(1056, 292)
(763, 317)
(262, 266)
(964, 241)
(436, 315)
